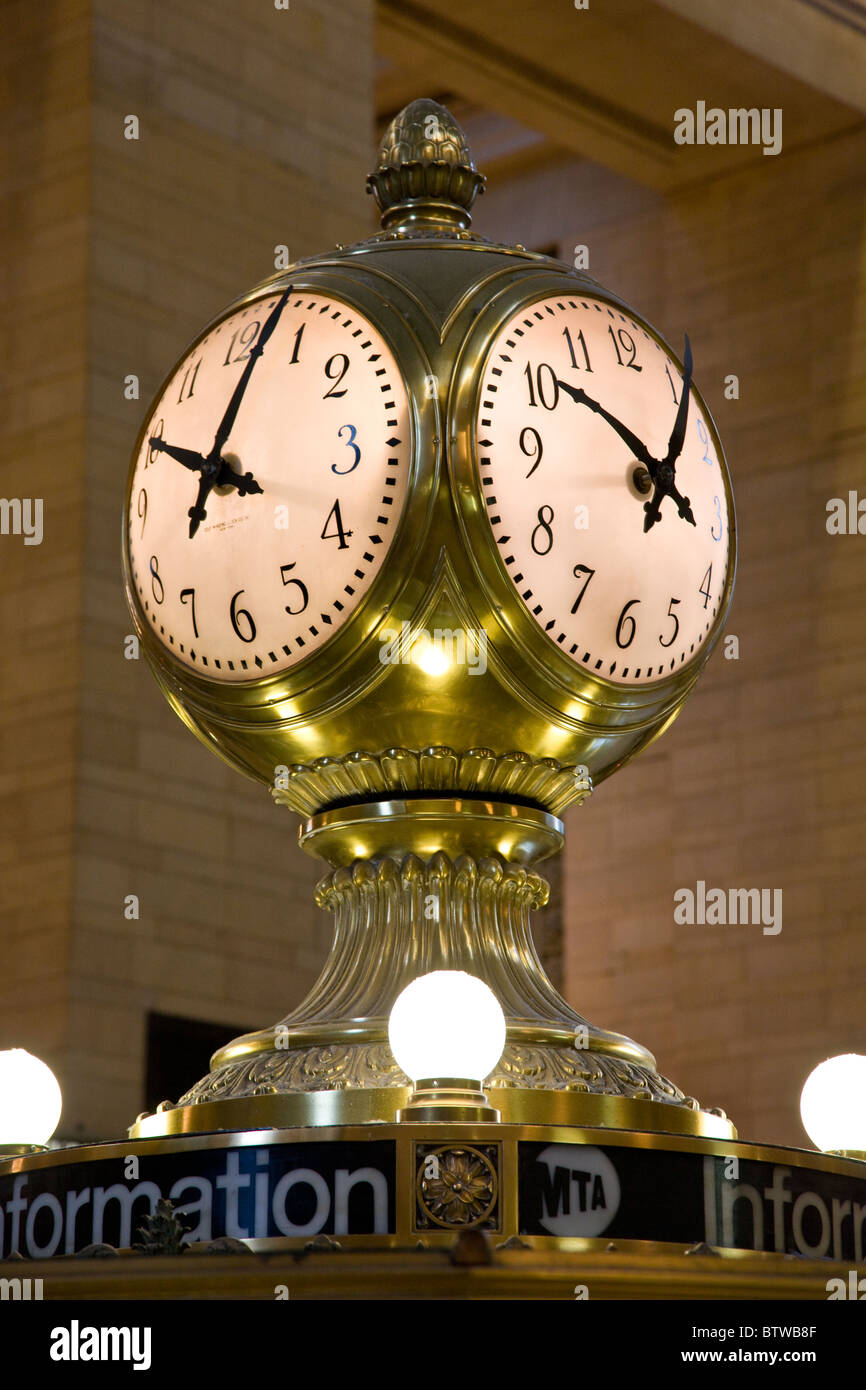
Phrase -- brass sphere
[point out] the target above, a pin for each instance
(341, 725)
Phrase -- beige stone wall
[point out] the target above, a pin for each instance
(44, 140)
(760, 783)
(256, 128)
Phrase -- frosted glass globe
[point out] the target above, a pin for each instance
(833, 1104)
(30, 1099)
(447, 1024)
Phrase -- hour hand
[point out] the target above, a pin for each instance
(636, 445)
(188, 457)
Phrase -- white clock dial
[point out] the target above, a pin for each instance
(576, 396)
(268, 485)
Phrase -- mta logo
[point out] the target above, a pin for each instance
(579, 1190)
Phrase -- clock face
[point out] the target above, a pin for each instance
(576, 397)
(268, 486)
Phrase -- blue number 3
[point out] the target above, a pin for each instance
(719, 515)
(350, 444)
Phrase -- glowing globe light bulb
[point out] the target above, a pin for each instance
(833, 1104)
(30, 1099)
(447, 1024)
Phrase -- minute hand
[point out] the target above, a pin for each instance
(231, 410)
(636, 445)
(678, 433)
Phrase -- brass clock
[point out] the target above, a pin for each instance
(268, 485)
(429, 438)
(588, 433)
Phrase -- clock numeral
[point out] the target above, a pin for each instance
(350, 444)
(545, 528)
(624, 340)
(531, 453)
(542, 386)
(152, 454)
(298, 336)
(625, 618)
(580, 338)
(156, 581)
(578, 571)
(183, 597)
(718, 518)
(236, 613)
(185, 394)
(340, 534)
(304, 595)
(245, 337)
(333, 362)
(676, 625)
(142, 509)
(705, 440)
(673, 388)
(707, 580)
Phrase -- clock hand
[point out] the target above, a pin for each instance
(636, 445)
(215, 471)
(231, 410)
(244, 482)
(212, 476)
(678, 433)
(197, 512)
(665, 487)
(664, 477)
(661, 471)
(188, 457)
(218, 473)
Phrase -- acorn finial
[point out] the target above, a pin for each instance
(426, 174)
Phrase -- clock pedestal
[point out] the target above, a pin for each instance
(421, 884)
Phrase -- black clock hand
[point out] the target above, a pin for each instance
(664, 478)
(215, 471)
(197, 512)
(636, 445)
(256, 351)
(227, 477)
(661, 471)
(665, 488)
(188, 457)
(678, 433)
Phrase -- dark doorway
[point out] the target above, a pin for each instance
(179, 1052)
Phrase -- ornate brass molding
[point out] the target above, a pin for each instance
(308, 787)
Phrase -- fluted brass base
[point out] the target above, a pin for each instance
(418, 885)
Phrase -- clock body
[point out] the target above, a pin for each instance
(319, 633)
(573, 391)
(258, 580)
